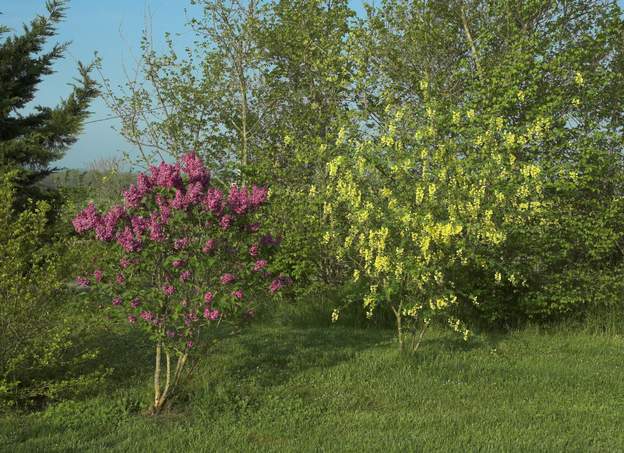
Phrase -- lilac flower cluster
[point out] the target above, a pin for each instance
(259, 265)
(130, 231)
(279, 283)
(241, 200)
(87, 219)
(227, 279)
(166, 219)
(211, 315)
(209, 246)
(83, 282)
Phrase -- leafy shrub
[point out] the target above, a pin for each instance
(41, 355)
(179, 255)
(415, 224)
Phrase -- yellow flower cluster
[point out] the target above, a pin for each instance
(429, 204)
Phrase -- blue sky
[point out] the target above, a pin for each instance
(113, 29)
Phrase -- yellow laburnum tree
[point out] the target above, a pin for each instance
(410, 218)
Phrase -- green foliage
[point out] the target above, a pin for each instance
(269, 86)
(551, 68)
(306, 85)
(41, 354)
(258, 100)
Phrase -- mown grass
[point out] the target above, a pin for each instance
(276, 388)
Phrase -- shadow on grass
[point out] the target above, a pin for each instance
(454, 343)
(128, 352)
(275, 355)
(245, 369)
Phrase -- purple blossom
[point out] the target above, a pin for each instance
(82, 282)
(189, 318)
(194, 168)
(276, 285)
(209, 246)
(139, 225)
(258, 196)
(238, 199)
(156, 229)
(147, 315)
(213, 201)
(133, 196)
(178, 187)
(193, 194)
(105, 229)
(181, 243)
(226, 222)
(87, 219)
(167, 175)
(211, 314)
(279, 283)
(127, 241)
(144, 183)
(179, 201)
(164, 210)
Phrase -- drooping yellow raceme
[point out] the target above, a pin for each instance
(409, 220)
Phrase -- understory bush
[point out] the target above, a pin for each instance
(43, 356)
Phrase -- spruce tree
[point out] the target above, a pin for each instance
(32, 138)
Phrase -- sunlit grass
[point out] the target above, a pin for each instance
(342, 389)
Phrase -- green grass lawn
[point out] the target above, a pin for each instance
(342, 389)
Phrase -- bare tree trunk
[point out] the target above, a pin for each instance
(157, 379)
(171, 382)
(165, 392)
(397, 314)
(244, 156)
(417, 340)
(473, 48)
